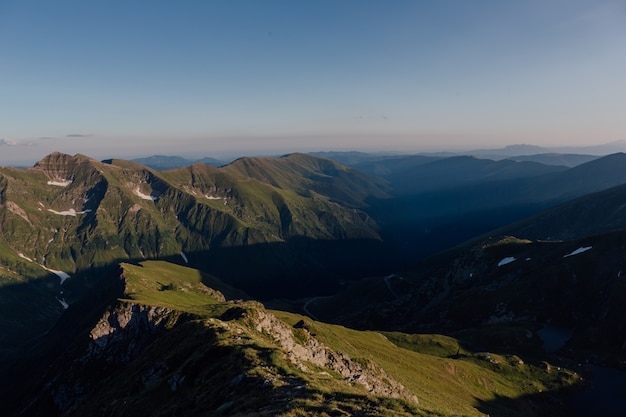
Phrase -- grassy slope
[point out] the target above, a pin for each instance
(445, 386)
(305, 174)
(174, 286)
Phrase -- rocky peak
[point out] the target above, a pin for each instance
(63, 169)
(57, 161)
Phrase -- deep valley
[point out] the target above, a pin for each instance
(326, 285)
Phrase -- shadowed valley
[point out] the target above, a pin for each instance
(133, 287)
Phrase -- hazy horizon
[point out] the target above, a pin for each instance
(226, 156)
(120, 79)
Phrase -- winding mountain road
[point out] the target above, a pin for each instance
(306, 310)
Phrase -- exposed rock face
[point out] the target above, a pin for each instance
(63, 169)
(57, 166)
(139, 337)
(14, 208)
(118, 337)
(123, 331)
(372, 377)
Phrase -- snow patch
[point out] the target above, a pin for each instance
(141, 195)
(63, 275)
(63, 303)
(578, 251)
(182, 254)
(211, 197)
(70, 212)
(507, 260)
(63, 183)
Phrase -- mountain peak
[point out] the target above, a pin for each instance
(60, 157)
(60, 167)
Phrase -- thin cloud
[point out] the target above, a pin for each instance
(78, 135)
(4, 142)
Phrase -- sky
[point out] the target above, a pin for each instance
(211, 78)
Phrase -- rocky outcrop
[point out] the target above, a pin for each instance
(310, 350)
(124, 330)
(149, 348)
(15, 209)
(119, 336)
(60, 167)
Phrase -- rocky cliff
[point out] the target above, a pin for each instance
(245, 351)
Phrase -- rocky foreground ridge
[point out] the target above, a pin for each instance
(237, 359)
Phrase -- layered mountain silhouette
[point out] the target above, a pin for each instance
(133, 287)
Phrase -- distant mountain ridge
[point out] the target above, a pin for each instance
(523, 149)
(421, 174)
(566, 155)
(569, 160)
(441, 203)
(166, 162)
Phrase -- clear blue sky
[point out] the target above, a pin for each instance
(134, 78)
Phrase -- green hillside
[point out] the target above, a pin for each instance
(308, 175)
(122, 287)
(78, 212)
(67, 221)
(172, 345)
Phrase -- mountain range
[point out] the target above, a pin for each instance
(414, 285)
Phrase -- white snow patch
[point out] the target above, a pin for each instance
(63, 275)
(24, 257)
(507, 260)
(212, 197)
(70, 212)
(528, 259)
(144, 196)
(41, 204)
(184, 257)
(63, 183)
(63, 303)
(471, 274)
(578, 251)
